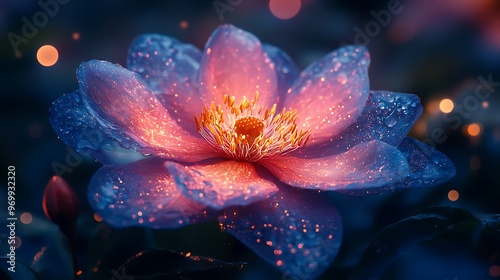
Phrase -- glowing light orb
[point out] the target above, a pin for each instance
(184, 24)
(284, 9)
(474, 129)
(453, 195)
(47, 55)
(97, 218)
(26, 218)
(446, 105)
(76, 36)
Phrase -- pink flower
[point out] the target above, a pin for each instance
(235, 133)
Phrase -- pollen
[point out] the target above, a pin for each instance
(245, 131)
(248, 129)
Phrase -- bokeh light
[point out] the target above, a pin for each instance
(26, 218)
(453, 195)
(495, 270)
(284, 9)
(446, 105)
(474, 129)
(76, 36)
(432, 107)
(184, 24)
(97, 218)
(47, 55)
(475, 162)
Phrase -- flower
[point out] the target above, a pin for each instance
(236, 133)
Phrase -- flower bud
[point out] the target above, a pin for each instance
(60, 203)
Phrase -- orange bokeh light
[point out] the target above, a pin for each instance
(446, 105)
(26, 218)
(97, 217)
(47, 55)
(453, 195)
(284, 9)
(474, 129)
(76, 36)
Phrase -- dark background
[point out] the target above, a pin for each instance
(435, 49)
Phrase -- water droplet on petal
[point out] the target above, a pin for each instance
(342, 78)
(391, 120)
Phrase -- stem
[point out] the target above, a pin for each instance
(70, 233)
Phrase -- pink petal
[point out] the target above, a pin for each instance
(365, 166)
(331, 93)
(235, 64)
(222, 184)
(170, 68)
(143, 193)
(120, 98)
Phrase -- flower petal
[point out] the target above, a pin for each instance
(120, 99)
(142, 193)
(235, 64)
(286, 70)
(79, 129)
(222, 184)
(170, 68)
(428, 167)
(388, 116)
(297, 231)
(363, 167)
(331, 93)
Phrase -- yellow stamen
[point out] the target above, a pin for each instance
(244, 132)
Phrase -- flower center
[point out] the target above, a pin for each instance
(245, 132)
(248, 129)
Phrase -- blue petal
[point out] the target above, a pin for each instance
(387, 116)
(79, 129)
(428, 167)
(142, 193)
(297, 231)
(286, 71)
(170, 68)
(163, 61)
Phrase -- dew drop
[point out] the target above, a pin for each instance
(363, 61)
(342, 78)
(391, 120)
